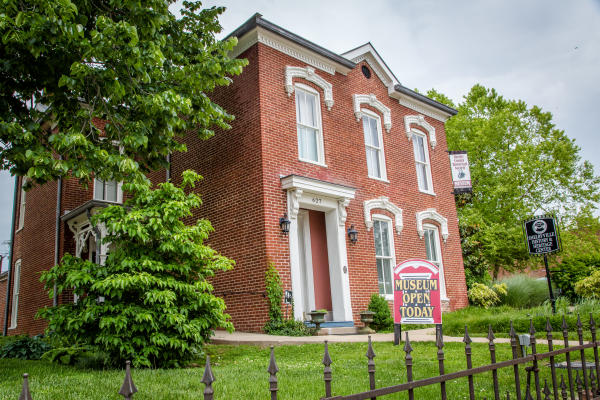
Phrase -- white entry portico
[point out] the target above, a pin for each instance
(331, 199)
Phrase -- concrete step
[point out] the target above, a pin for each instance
(345, 330)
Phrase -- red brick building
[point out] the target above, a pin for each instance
(330, 142)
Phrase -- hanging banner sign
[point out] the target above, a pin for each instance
(461, 175)
(417, 296)
(541, 235)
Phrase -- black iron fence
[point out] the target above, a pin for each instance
(574, 386)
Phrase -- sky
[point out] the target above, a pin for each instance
(545, 52)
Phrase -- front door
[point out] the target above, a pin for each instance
(314, 260)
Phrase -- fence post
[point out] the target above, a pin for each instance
(128, 388)
(515, 354)
(467, 341)
(408, 361)
(371, 367)
(440, 356)
(579, 389)
(327, 371)
(586, 385)
(208, 378)
(25, 394)
(593, 331)
(492, 347)
(552, 367)
(565, 332)
(536, 370)
(272, 370)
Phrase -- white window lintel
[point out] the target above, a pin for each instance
(371, 100)
(383, 203)
(309, 74)
(433, 215)
(420, 120)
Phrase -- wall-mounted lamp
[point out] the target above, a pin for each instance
(353, 234)
(284, 224)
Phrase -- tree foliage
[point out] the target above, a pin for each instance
(78, 76)
(521, 164)
(151, 302)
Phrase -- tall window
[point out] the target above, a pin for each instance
(15, 296)
(374, 146)
(384, 254)
(106, 190)
(22, 207)
(308, 119)
(422, 161)
(434, 254)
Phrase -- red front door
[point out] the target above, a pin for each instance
(320, 260)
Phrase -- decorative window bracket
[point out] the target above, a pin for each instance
(371, 100)
(309, 74)
(383, 203)
(420, 120)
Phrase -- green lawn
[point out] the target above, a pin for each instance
(240, 373)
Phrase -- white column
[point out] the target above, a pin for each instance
(295, 256)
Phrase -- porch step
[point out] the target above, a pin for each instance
(344, 330)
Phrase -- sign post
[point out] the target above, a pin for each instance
(417, 295)
(542, 237)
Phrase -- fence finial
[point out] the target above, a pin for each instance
(548, 326)
(272, 370)
(25, 394)
(592, 322)
(370, 353)
(128, 388)
(563, 388)
(564, 325)
(531, 328)
(490, 335)
(546, 390)
(327, 371)
(208, 378)
(466, 338)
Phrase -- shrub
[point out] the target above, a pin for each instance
(382, 319)
(589, 287)
(572, 270)
(277, 325)
(524, 291)
(485, 296)
(25, 348)
(158, 306)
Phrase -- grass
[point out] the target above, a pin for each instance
(524, 291)
(241, 373)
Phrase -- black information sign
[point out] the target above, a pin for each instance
(541, 233)
(287, 299)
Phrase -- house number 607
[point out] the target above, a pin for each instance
(317, 200)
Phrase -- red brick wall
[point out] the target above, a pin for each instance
(3, 283)
(346, 164)
(231, 163)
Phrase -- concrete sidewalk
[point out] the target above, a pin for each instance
(418, 335)
(261, 339)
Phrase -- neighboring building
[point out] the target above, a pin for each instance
(327, 141)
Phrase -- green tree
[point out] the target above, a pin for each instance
(521, 164)
(77, 77)
(151, 302)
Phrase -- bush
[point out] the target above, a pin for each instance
(589, 287)
(277, 325)
(25, 348)
(524, 291)
(571, 270)
(485, 296)
(158, 307)
(382, 320)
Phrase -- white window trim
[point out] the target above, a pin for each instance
(309, 74)
(438, 243)
(320, 146)
(371, 100)
(22, 202)
(383, 178)
(14, 310)
(390, 222)
(433, 215)
(119, 192)
(428, 160)
(420, 120)
(383, 203)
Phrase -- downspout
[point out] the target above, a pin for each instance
(168, 169)
(57, 235)
(10, 256)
